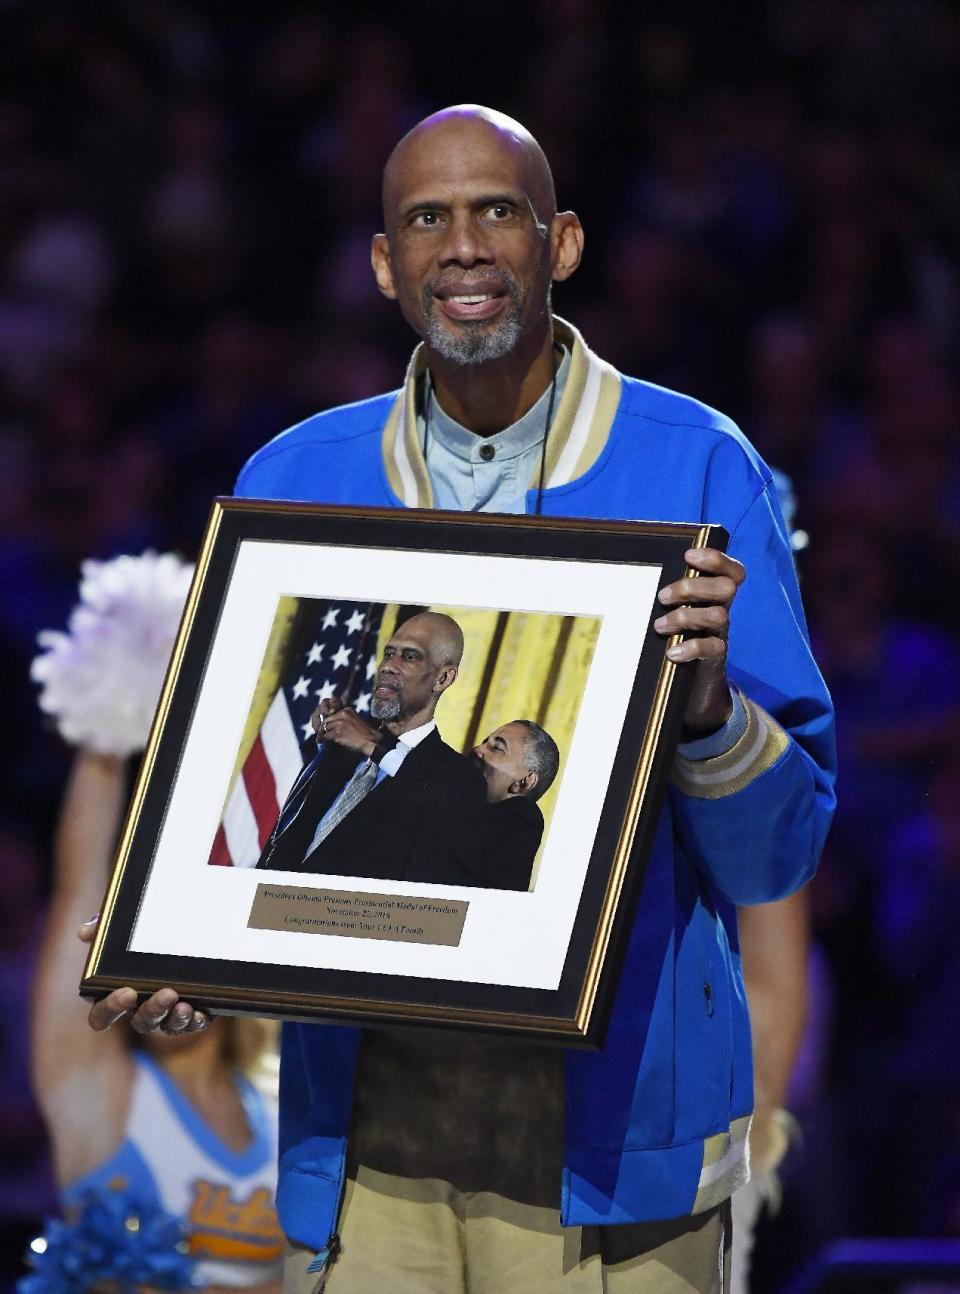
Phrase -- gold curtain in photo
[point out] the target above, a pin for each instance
(268, 680)
(516, 665)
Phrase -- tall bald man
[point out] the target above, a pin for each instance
(421, 1164)
(386, 799)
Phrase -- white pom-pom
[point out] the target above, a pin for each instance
(102, 678)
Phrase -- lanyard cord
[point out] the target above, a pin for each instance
(538, 511)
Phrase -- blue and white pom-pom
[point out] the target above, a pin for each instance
(102, 677)
(111, 1244)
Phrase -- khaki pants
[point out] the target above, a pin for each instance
(408, 1236)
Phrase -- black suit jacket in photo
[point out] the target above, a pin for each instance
(498, 852)
(411, 827)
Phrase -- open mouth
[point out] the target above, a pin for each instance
(472, 305)
(471, 298)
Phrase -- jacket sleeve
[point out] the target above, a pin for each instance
(317, 1066)
(498, 850)
(754, 819)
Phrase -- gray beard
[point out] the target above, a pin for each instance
(474, 343)
(473, 346)
(381, 708)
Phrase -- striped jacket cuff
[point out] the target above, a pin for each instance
(726, 1165)
(761, 745)
(724, 739)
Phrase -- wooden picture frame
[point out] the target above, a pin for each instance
(557, 616)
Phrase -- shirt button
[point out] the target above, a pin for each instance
(487, 452)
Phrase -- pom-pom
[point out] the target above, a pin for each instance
(102, 677)
(113, 1244)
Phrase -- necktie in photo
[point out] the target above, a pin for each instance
(296, 797)
(361, 784)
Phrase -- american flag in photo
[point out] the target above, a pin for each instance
(332, 652)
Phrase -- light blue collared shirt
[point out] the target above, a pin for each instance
(471, 473)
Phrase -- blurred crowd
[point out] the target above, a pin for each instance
(771, 195)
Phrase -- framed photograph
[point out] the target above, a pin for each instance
(405, 769)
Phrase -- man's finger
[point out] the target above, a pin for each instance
(152, 1013)
(721, 588)
(112, 1008)
(711, 648)
(709, 619)
(87, 932)
(178, 1020)
(712, 562)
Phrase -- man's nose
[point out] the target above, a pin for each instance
(466, 242)
(478, 751)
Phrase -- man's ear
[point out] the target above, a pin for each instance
(445, 678)
(566, 232)
(382, 269)
(524, 785)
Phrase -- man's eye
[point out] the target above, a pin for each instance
(426, 219)
(500, 211)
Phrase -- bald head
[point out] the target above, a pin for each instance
(471, 248)
(419, 663)
(441, 634)
(454, 129)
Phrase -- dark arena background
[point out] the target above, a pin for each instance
(771, 197)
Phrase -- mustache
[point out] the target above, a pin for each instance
(460, 283)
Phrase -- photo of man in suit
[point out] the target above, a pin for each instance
(519, 761)
(389, 800)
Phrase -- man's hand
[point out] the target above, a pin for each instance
(702, 608)
(328, 706)
(163, 1011)
(342, 726)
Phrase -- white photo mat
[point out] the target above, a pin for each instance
(509, 938)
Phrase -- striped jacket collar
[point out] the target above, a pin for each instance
(577, 436)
